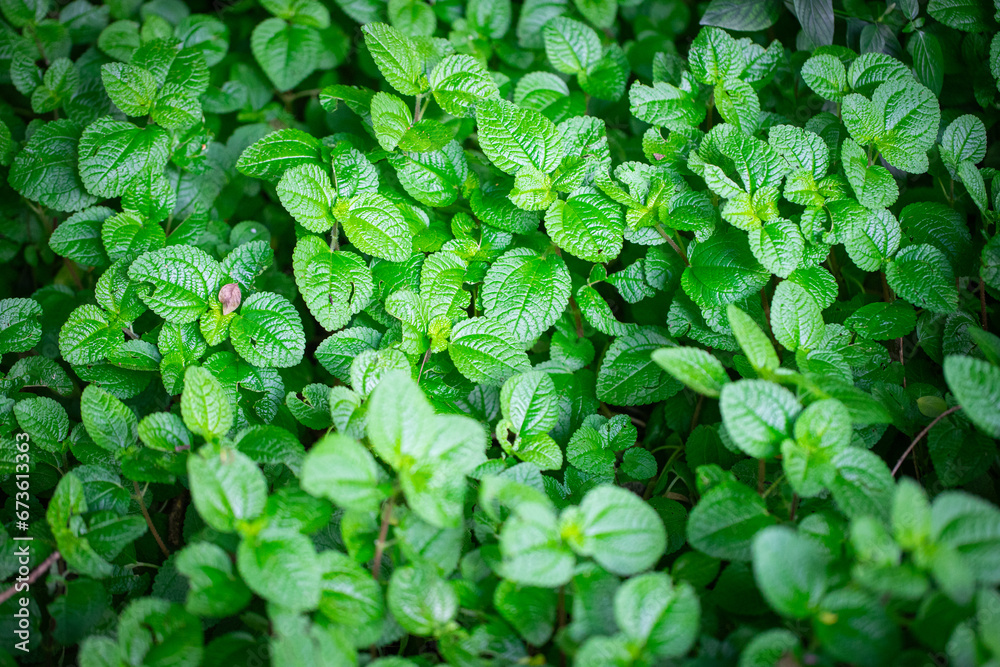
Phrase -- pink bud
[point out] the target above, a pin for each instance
(231, 297)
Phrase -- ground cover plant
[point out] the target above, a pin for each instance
(571, 332)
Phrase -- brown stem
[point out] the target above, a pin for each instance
(902, 360)
(673, 244)
(149, 521)
(697, 413)
(761, 471)
(73, 273)
(795, 506)
(383, 533)
(921, 435)
(35, 574)
(577, 318)
(427, 355)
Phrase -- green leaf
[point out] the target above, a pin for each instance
(714, 55)
(334, 285)
(282, 567)
(226, 487)
(376, 226)
(267, 331)
(922, 275)
(741, 15)
(615, 528)
(270, 156)
(165, 431)
(657, 615)
(530, 610)
(529, 402)
(110, 424)
(696, 368)
(726, 519)
(796, 318)
(214, 588)
(826, 75)
(586, 225)
(481, 349)
(459, 81)
(154, 631)
(19, 326)
(526, 292)
(723, 270)
(89, 336)
(391, 119)
(571, 46)
(287, 52)
(628, 373)
(754, 342)
(308, 195)
(816, 19)
(113, 153)
(967, 15)
(883, 321)
(431, 454)
(132, 89)
(512, 137)
(976, 385)
(533, 551)
(421, 601)
(204, 405)
(184, 280)
(790, 570)
(757, 415)
(45, 170)
(396, 57)
(863, 484)
(341, 469)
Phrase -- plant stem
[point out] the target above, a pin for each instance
(697, 413)
(149, 521)
(774, 485)
(427, 355)
(921, 435)
(673, 244)
(761, 471)
(383, 533)
(35, 574)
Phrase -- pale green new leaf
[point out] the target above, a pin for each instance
(696, 368)
(204, 405)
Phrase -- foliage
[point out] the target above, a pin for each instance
(604, 332)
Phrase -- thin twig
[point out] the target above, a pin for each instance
(673, 244)
(761, 471)
(149, 521)
(697, 413)
(383, 533)
(35, 574)
(920, 436)
(423, 363)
